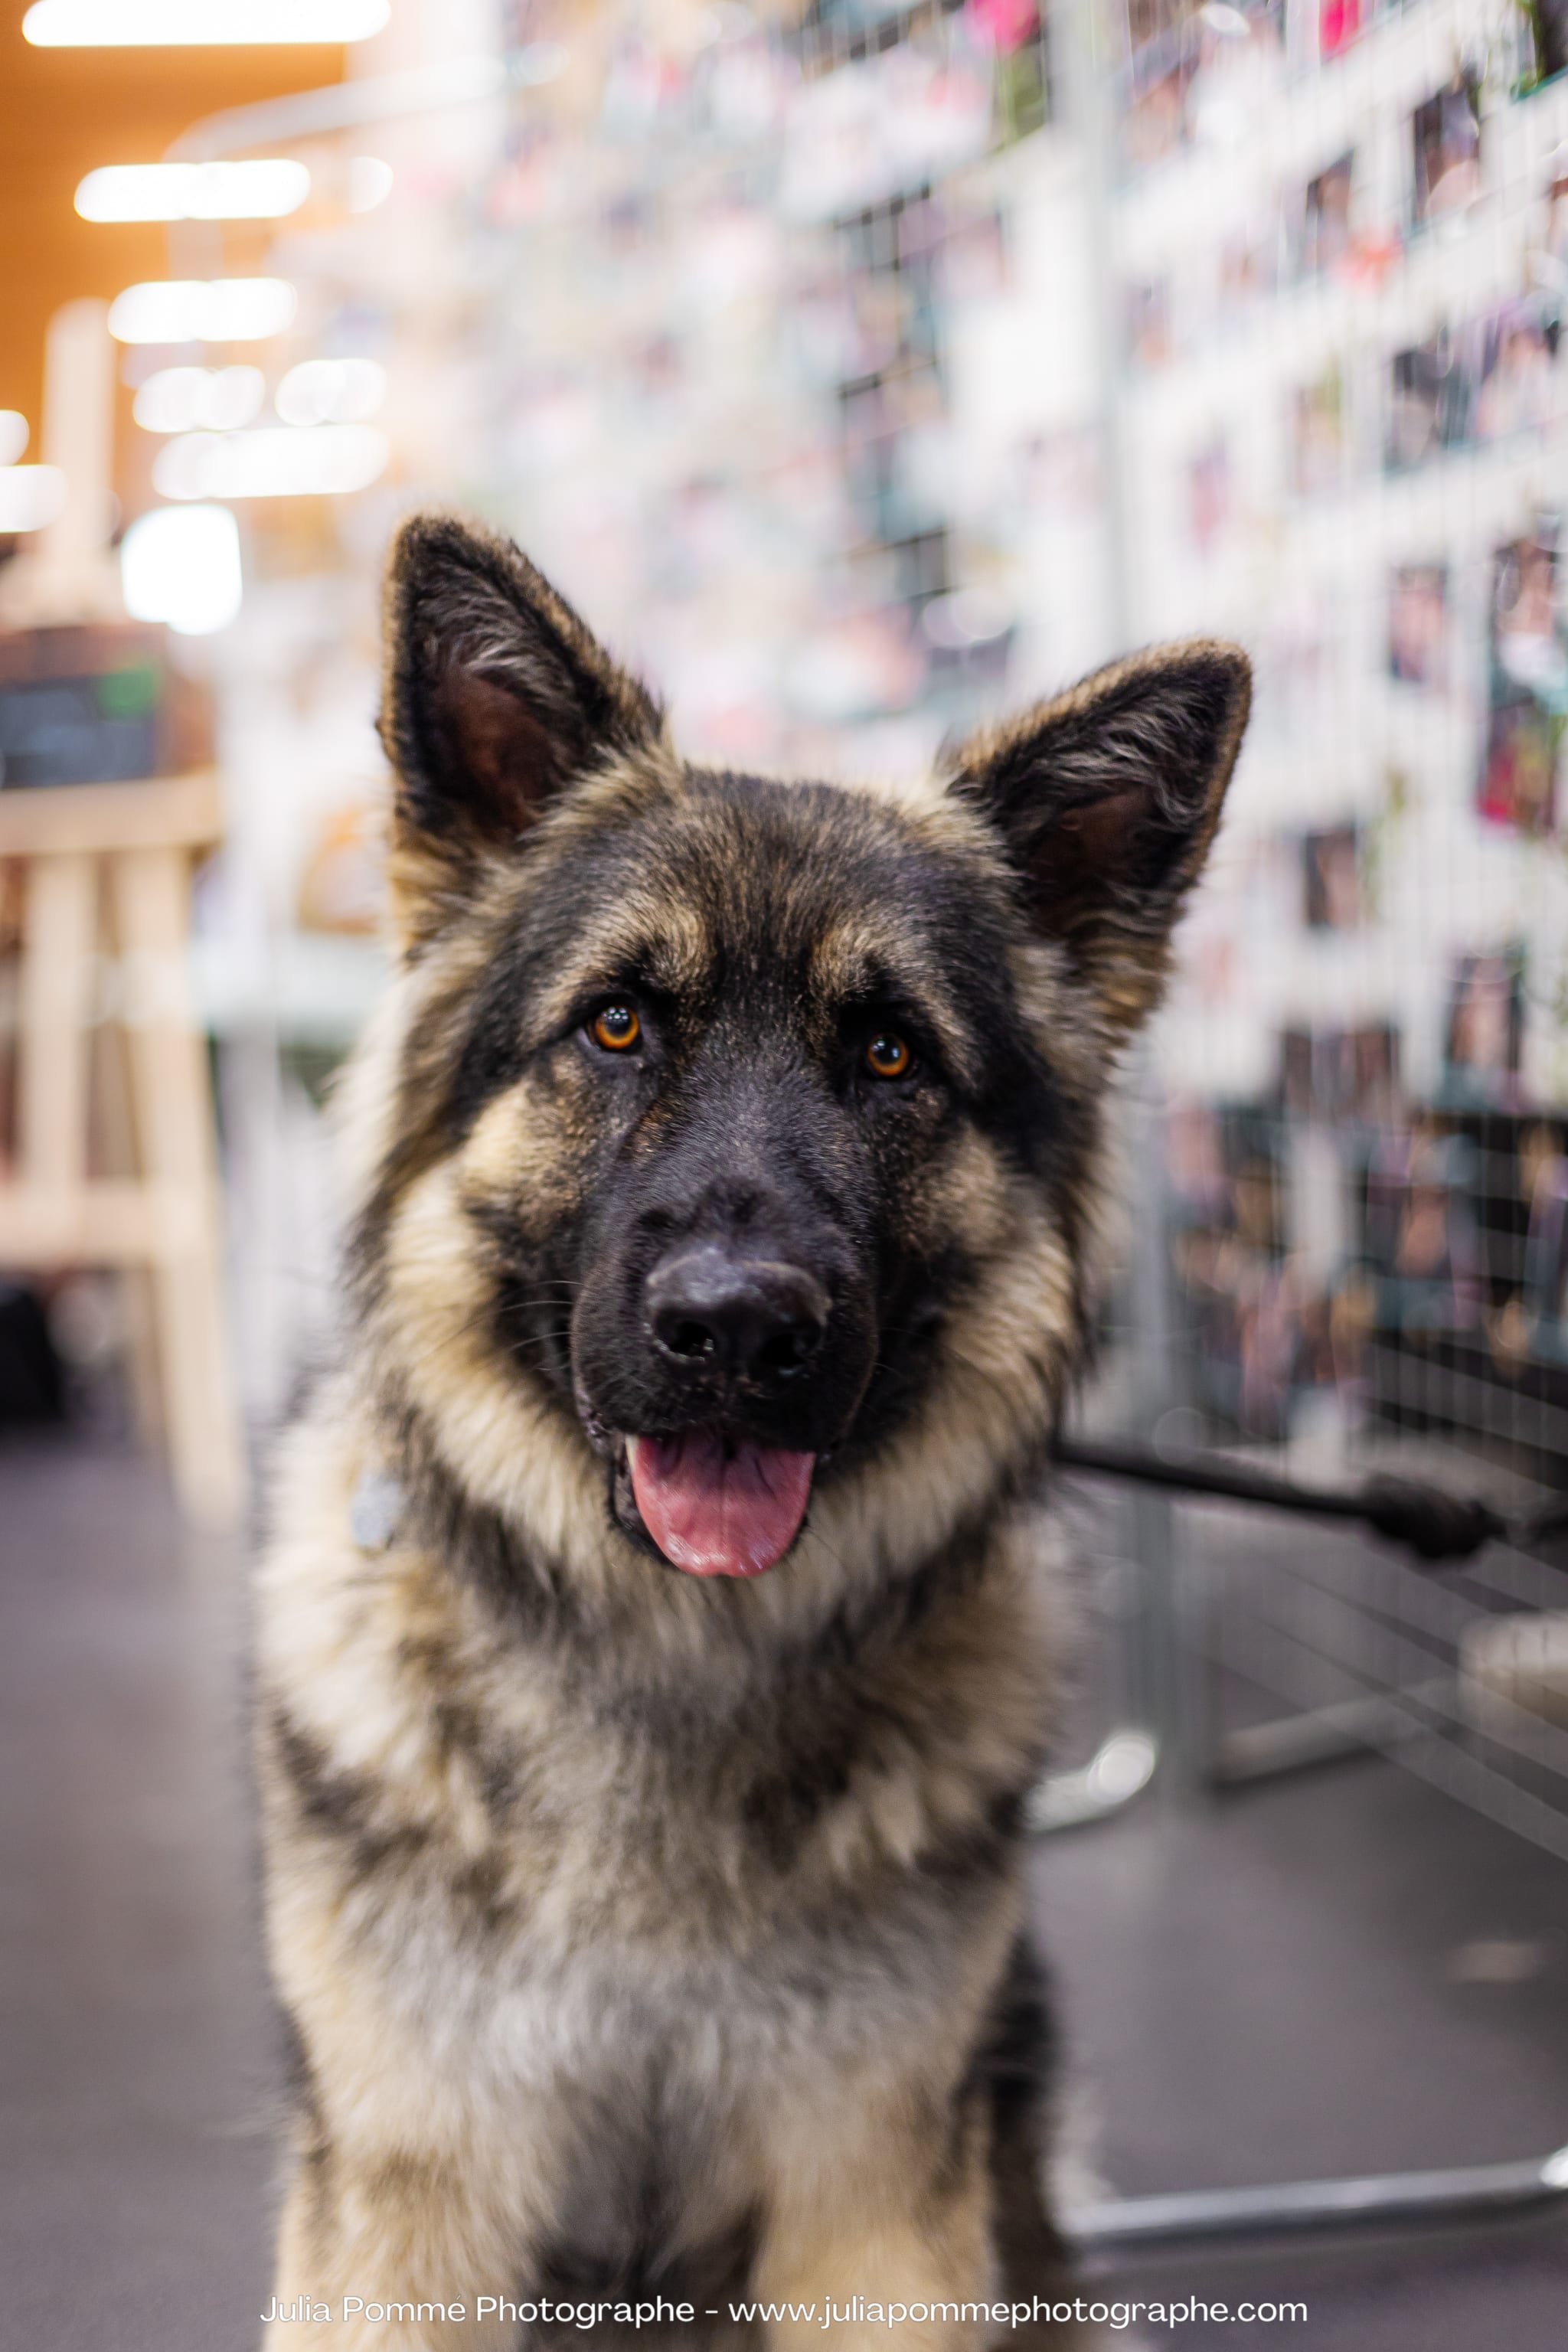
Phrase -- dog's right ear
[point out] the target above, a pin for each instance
(496, 696)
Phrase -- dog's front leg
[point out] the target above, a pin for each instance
(877, 2239)
(887, 2237)
(392, 2252)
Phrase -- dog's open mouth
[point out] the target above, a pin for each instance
(716, 1505)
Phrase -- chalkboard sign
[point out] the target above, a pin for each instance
(98, 705)
(80, 730)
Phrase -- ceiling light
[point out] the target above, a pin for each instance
(198, 311)
(370, 182)
(177, 399)
(13, 435)
(275, 461)
(31, 496)
(263, 190)
(172, 400)
(180, 564)
(140, 24)
(332, 392)
(231, 398)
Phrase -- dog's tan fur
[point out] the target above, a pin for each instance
(536, 1861)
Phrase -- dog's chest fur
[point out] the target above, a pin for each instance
(656, 1917)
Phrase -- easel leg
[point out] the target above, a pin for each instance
(54, 1012)
(173, 1117)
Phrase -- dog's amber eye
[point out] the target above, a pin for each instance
(887, 1056)
(617, 1028)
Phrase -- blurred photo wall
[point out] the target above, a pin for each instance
(862, 370)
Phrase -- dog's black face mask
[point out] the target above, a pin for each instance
(743, 1087)
(753, 1287)
(736, 1269)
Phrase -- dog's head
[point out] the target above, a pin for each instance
(737, 1141)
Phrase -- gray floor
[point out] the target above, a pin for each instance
(1300, 1980)
(1285, 1987)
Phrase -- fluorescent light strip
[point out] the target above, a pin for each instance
(198, 311)
(199, 24)
(275, 461)
(31, 496)
(219, 400)
(264, 189)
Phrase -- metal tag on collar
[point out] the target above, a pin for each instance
(376, 1511)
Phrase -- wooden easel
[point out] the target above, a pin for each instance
(114, 860)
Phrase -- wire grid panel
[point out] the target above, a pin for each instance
(1461, 1679)
(1341, 235)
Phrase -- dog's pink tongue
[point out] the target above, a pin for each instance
(715, 1511)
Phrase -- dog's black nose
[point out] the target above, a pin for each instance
(758, 1321)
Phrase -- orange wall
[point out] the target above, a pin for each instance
(61, 112)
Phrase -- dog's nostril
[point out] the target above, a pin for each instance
(692, 1341)
(785, 1356)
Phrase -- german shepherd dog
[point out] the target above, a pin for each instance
(654, 1649)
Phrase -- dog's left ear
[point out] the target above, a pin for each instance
(1107, 800)
(496, 698)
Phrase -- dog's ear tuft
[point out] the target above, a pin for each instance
(496, 695)
(1107, 799)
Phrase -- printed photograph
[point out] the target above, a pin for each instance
(1342, 1074)
(1445, 139)
(1548, 239)
(1518, 386)
(1334, 892)
(1546, 1259)
(1419, 624)
(1320, 435)
(1527, 685)
(1148, 339)
(1325, 232)
(1339, 24)
(1209, 494)
(1419, 1232)
(1546, 33)
(1485, 1035)
(1430, 395)
(1248, 267)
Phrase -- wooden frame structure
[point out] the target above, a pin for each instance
(110, 864)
